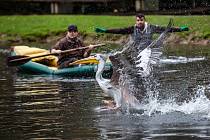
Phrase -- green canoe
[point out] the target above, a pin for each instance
(76, 71)
(84, 70)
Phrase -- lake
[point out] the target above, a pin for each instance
(60, 108)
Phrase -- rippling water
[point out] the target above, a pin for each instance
(49, 107)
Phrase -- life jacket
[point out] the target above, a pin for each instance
(142, 38)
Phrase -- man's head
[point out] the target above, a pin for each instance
(140, 20)
(72, 31)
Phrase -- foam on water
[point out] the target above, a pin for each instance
(199, 104)
(180, 59)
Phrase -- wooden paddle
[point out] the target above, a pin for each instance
(22, 59)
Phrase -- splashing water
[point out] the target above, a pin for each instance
(180, 59)
(199, 104)
(135, 66)
(139, 87)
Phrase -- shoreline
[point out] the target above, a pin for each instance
(47, 29)
(173, 39)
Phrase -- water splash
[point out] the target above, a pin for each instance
(134, 65)
(139, 86)
(198, 104)
(180, 59)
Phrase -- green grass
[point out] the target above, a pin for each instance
(44, 25)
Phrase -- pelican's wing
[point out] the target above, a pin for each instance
(142, 64)
(150, 55)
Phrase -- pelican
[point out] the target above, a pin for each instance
(105, 84)
(120, 95)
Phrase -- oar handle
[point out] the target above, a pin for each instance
(77, 49)
(62, 52)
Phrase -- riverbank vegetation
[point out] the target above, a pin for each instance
(49, 27)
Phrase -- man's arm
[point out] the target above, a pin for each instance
(128, 30)
(160, 29)
(56, 48)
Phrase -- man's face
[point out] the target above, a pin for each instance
(140, 22)
(72, 34)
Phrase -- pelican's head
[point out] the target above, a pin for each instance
(101, 57)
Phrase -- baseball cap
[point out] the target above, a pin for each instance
(72, 28)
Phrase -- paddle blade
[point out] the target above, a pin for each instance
(89, 60)
(17, 60)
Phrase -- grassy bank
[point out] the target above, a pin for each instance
(42, 26)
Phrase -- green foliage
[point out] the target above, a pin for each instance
(44, 25)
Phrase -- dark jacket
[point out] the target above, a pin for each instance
(126, 60)
(130, 30)
(67, 43)
(142, 37)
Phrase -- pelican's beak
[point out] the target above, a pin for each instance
(89, 60)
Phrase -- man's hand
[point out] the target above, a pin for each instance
(184, 28)
(56, 51)
(100, 30)
(88, 50)
(90, 47)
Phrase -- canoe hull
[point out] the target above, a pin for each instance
(77, 71)
(35, 66)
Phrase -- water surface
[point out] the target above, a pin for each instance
(51, 107)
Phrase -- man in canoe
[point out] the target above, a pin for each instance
(70, 41)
